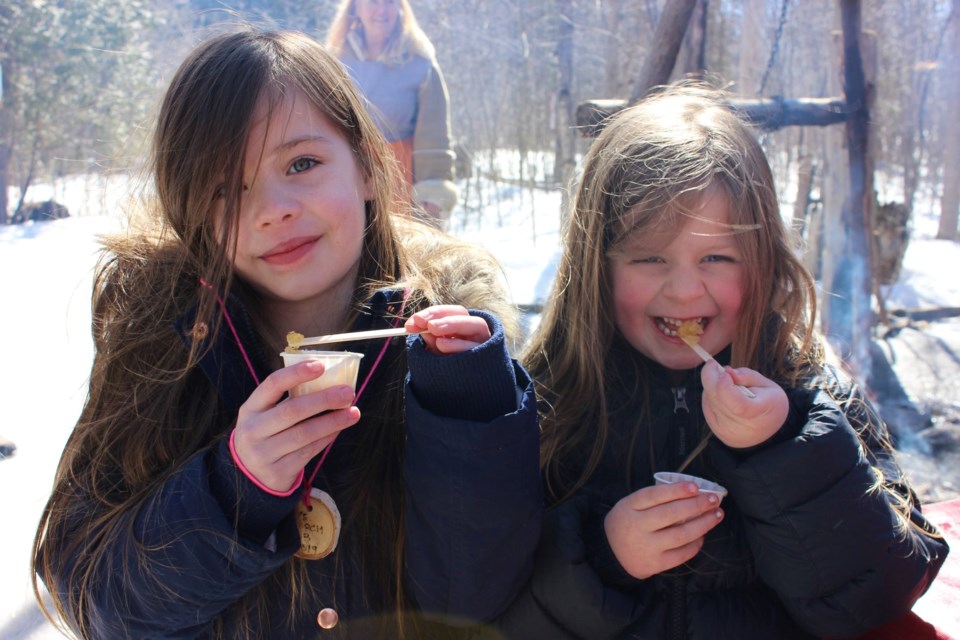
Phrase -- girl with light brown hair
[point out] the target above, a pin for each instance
(674, 225)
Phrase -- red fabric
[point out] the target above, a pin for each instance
(403, 152)
(908, 627)
(936, 616)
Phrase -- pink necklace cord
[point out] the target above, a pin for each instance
(233, 330)
(363, 385)
(326, 450)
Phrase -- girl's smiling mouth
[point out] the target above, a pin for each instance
(290, 251)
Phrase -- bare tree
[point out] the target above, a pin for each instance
(564, 124)
(751, 47)
(950, 201)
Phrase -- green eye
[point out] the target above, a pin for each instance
(302, 164)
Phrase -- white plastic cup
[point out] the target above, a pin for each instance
(339, 367)
(670, 477)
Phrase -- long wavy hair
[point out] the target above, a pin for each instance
(407, 38)
(149, 409)
(647, 170)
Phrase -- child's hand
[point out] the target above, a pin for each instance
(660, 527)
(275, 441)
(739, 421)
(451, 329)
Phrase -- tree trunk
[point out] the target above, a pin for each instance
(693, 60)
(566, 134)
(804, 183)
(829, 248)
(813, 245)
(662, 55)
(6, 135)
(751, 39)
(950, 200)
(849, 321)
(612, 18)
(4, 177)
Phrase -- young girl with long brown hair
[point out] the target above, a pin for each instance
(675, 224)
(182, 504)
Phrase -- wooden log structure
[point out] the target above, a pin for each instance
(769, 114)
(848, 316)
(667, 38)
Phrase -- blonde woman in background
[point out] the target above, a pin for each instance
(394, 66)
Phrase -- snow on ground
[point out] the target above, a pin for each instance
(45, 275)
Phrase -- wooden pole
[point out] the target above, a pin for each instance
(667, 39)
(850, 317)
(768, 114)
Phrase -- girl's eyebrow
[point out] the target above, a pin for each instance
(630, 246)
(296, 142)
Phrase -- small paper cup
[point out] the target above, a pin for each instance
(669, 477)
(339, 367)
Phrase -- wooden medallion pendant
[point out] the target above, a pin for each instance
(319, 525)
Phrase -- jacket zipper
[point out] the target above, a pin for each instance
(677, 608)
(677, 589)
(680, 399)
(680, 403)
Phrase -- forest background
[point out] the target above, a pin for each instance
(81, 80)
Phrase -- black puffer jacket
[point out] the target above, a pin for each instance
(808, 548)
(209, 536)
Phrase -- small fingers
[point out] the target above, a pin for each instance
(463, 327)
(673, 558)
(284, 415)
(420, 321)
(448, 329)
(301, 443)
(686, 532)
(656, 495)
(748, 377)
(262, 438)
(299, 408)
(671, 504)
(269, 392)
(453, 345)
(453, 334)
(683, 512)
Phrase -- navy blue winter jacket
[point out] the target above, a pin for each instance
(473, 504)
(808, 547)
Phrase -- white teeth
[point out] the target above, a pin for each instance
(670, 326)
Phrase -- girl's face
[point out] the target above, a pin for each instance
(660, 279)
(302, 214)
(378, 17)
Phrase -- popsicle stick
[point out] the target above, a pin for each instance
(356, 335)
(700, 351)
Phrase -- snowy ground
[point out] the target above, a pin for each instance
(45, 271)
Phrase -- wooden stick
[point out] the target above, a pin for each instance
(355, 335)
(700, 351)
